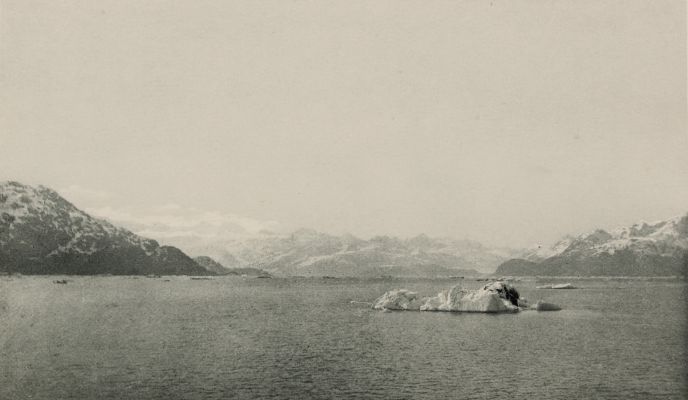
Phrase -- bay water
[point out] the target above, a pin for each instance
(244, 338)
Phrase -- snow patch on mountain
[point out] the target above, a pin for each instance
(542, 252)
(659, 248)
(41, 232)
(660, 238)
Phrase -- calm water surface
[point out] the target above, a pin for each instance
(177, 338)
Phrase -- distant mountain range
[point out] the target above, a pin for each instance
(657, 249)
(42, 233)
(219, 269)
(310, 253)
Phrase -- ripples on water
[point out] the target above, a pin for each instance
(140, 338)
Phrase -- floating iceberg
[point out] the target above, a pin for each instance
(557, 286)
(399, 299)
(494, 297)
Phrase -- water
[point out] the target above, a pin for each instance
(177, 338)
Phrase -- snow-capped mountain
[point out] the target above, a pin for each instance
(659, 248)
(42, 233)
(310, 253)
(540, 253)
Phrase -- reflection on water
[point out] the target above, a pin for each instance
(172, 337)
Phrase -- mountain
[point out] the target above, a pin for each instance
(306, 252)
(42, 233)
(540, 253)
(250, 272)
(656, 249)
(219, 269)
(212, 266)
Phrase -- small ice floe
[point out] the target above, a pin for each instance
(543, 306)
(557, 286)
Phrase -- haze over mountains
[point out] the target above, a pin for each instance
(307, 252)
(41, 232)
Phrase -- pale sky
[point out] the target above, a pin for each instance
(509, 122)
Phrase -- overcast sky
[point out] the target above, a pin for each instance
(510, 122)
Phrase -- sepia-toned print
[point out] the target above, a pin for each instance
(359, 199)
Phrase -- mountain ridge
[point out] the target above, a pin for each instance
(307, 252)
(43, 233)
(659, 248)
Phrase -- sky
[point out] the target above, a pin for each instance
(508, 122)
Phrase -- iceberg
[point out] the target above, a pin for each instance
(557, 286)
(399, 299)
(495, 297)
(492, 298)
